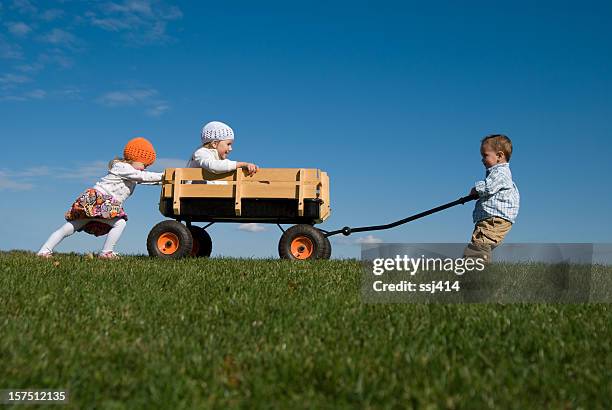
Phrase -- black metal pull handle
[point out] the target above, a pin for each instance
(346, 231)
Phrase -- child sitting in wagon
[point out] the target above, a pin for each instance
(217, 139)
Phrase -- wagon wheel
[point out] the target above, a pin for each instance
(328, 249)
(303, 242)
(202, 242)
(169, 240)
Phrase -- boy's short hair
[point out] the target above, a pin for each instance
(499, 142)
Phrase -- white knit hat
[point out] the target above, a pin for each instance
(216, 131)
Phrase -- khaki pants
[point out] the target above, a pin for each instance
(488, 234)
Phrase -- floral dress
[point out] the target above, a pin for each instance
(94, 204)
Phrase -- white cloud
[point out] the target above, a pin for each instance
(18, 29)
(14, 181)
(57, 57)
(7, 184)
(129, 6)
(158, 109)
(14, 79)
(163, 163)
(69, 93)
(350, 241)
(368, 240)
(29, 68)
(10, 85)
(51, 14)
(109, 24)
(24, 179)
(12, 97)
(27, 172)
(141, 21)
(33, 172)
(86, 172)
(137, 22)
(37, 94)
(9, 50)
(58, 41)
(127, 97)
(146, 97)
(61, 38)
(24, 6)
(96, 169)
(251, 227)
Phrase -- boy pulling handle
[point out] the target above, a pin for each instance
(498, 198)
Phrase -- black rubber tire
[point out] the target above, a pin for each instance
(319, 244)
(185, 240)
(203, 241)
(328, 249)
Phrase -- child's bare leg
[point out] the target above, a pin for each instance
(56, 237)
(118, 225)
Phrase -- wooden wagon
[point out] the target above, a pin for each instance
(297, 196)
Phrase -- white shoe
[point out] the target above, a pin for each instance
(45, 255)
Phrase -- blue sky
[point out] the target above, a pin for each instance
(390, 98)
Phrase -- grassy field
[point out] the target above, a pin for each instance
(146, 333)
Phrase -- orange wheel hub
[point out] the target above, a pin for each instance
(167, 243)
(302, 247)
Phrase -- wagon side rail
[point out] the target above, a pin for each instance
(281, 183)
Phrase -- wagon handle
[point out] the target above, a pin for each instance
(346, 231)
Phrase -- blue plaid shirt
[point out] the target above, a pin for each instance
(499, 196)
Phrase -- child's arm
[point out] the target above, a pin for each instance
(493, 183)
(251, 168)
(218, 166)
(126, 171)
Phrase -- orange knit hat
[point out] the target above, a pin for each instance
(139, 150)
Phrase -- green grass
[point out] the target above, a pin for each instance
(145, 333)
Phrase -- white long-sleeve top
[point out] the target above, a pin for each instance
(208, 158)
(122, 178)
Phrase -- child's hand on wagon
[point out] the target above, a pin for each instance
(251, 168)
